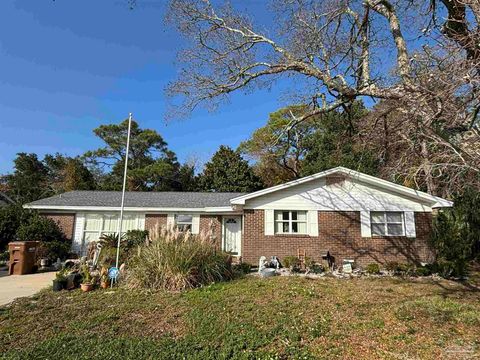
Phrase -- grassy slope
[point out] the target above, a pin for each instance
(248, 318)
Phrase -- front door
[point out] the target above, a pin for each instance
(232, 234)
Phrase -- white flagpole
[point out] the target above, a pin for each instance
(120, 221)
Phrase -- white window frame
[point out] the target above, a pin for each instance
(101, 230)
(385, 222)
(290, 222)
(183, 223)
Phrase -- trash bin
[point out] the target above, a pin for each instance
(22, 257)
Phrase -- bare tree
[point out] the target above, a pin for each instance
(419, 58)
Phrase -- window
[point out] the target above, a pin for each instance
(98, 224)
(290, 222)
(387, 223)
(184, 222)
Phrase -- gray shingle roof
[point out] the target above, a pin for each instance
(139, 199)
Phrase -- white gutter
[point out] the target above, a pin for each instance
(130, 209)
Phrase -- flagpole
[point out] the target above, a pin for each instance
(120, 220)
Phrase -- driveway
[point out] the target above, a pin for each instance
(15, 286)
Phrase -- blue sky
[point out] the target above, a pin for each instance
(69, 66)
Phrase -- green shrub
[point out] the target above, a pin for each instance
(39, 228)
(53, 244)
(111, 240)
(400, 268)
(406, 269)
(373, 268)
(242, 268)
(447, 269)
(175, 260)
(4, 256)
(423, 271)
(53, 250)
(312, 266)
(291, 261)
(11, 217)
(392, 266)
(135, 238)
(316, 268)
(456, 234)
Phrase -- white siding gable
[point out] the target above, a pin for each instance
(350, 195)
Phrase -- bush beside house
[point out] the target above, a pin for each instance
(175, 260)
(21, 224)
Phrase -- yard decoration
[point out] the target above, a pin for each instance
(87, 281)
(104, 278)
(60, 281)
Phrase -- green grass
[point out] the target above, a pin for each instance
(250, 318)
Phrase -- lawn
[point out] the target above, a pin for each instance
(250, 318)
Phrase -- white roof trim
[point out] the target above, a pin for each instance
(130, 209)
(420, 195)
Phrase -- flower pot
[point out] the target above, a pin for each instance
(58, 285)
(44, 263)
(86, 287)
(104, 284)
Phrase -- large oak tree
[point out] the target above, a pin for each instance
(420, 59)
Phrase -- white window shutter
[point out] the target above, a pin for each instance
(410, 224)
(170, 220)
(196, 224)
(78, 232)
(269, 222)
(365, 223)
(313, 223)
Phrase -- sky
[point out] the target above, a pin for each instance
(69, 66)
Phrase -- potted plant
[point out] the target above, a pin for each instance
(87, 280)
(104, 278)
(60, 281)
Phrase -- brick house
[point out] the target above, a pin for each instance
(346, 213)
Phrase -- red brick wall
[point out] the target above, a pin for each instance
(216, 220)
(340, 234)
(216, 227)
(151, 220)
(66, 223)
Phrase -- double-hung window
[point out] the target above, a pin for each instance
(290, 222)
(184, 222)
(97, 224)
(387, 223)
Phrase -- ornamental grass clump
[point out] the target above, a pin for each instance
(174, 260)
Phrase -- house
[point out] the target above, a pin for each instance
(340, 211)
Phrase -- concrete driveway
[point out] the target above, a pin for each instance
(15, 286)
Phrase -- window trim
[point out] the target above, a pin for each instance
(290, 222)
(183, 222)
(101, 231)
(385, 223)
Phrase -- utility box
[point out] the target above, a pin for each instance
(22, 257)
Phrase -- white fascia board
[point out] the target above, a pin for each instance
(435, 200)
(129, 209)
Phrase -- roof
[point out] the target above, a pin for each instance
(372, 180)
(145, 200)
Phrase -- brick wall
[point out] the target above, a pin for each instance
(213, 223)
(151, 220)
(340, 234)
(66, 223)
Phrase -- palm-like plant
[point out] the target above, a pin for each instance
(111, 239)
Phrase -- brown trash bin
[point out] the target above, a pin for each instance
(22, 257)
